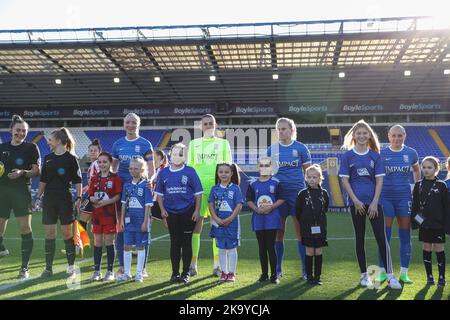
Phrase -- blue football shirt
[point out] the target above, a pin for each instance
(125, 150)
(397, 166)
(179, 188)
(136, 196)
(362, 169)
(288, 161)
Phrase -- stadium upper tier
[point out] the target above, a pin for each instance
(307, 57)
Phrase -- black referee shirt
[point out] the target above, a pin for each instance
(59, 171)
(20, 157)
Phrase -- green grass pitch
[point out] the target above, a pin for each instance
(340, 270)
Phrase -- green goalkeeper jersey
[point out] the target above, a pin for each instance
(204, 154)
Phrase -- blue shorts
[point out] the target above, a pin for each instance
(288, 207)
(396, 208)
(136, 238)
(227, 243)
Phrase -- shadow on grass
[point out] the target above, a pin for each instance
(422, 293)
(437, 295)
(153, 291)
(347, 293)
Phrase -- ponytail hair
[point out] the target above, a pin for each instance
(235, 178)
(16, 119)
(63, 134)
(96, 143)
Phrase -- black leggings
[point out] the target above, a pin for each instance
(378, 227)
(180, 230)
(266, 243)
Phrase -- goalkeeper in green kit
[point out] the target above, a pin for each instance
(204, 154)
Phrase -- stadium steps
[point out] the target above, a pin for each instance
(165, 140)
(437, 139)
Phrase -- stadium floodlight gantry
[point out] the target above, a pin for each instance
(307, 57)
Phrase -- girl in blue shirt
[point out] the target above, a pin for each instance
(135, 220)
(362, 174)
(179, 193)
(264, 197)
(225, 204)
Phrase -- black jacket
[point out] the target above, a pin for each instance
(436, 211)
(314, 214)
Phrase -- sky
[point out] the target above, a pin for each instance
(20, 14)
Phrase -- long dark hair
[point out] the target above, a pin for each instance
(235, 178)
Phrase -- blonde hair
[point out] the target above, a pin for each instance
(349, 139)
(135, 116)
(265, 158)
(291, 124)
(143, 165)
(434, 161)
(398, 127)
(181, 146)
(318, 169)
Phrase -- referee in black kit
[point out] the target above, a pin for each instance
(21, 162)
(59, 169)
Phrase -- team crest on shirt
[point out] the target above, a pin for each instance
(225, 207)
(140, 192)
(216, 146)
(231, 195)
(372, 164)
(137, 148)
(184, 179)
(363, 172)
(405, 158)
(61, 171)
(272, 189)
(109, 184)
(19, 161)
(295, 153)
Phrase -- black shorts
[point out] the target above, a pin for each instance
(181, 223)
(17, 199)
(432, 235)
(57, 205)
(156, 211)
(314, 242)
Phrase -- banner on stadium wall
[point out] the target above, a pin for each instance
(231, 109)
(332, 166)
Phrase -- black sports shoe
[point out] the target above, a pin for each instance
(311, 281)
(46, 273)
(318, 282)
(441, 282)
(184, 278)
(263, 278)
(430, 281)
(175, 278)
(275, 279)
